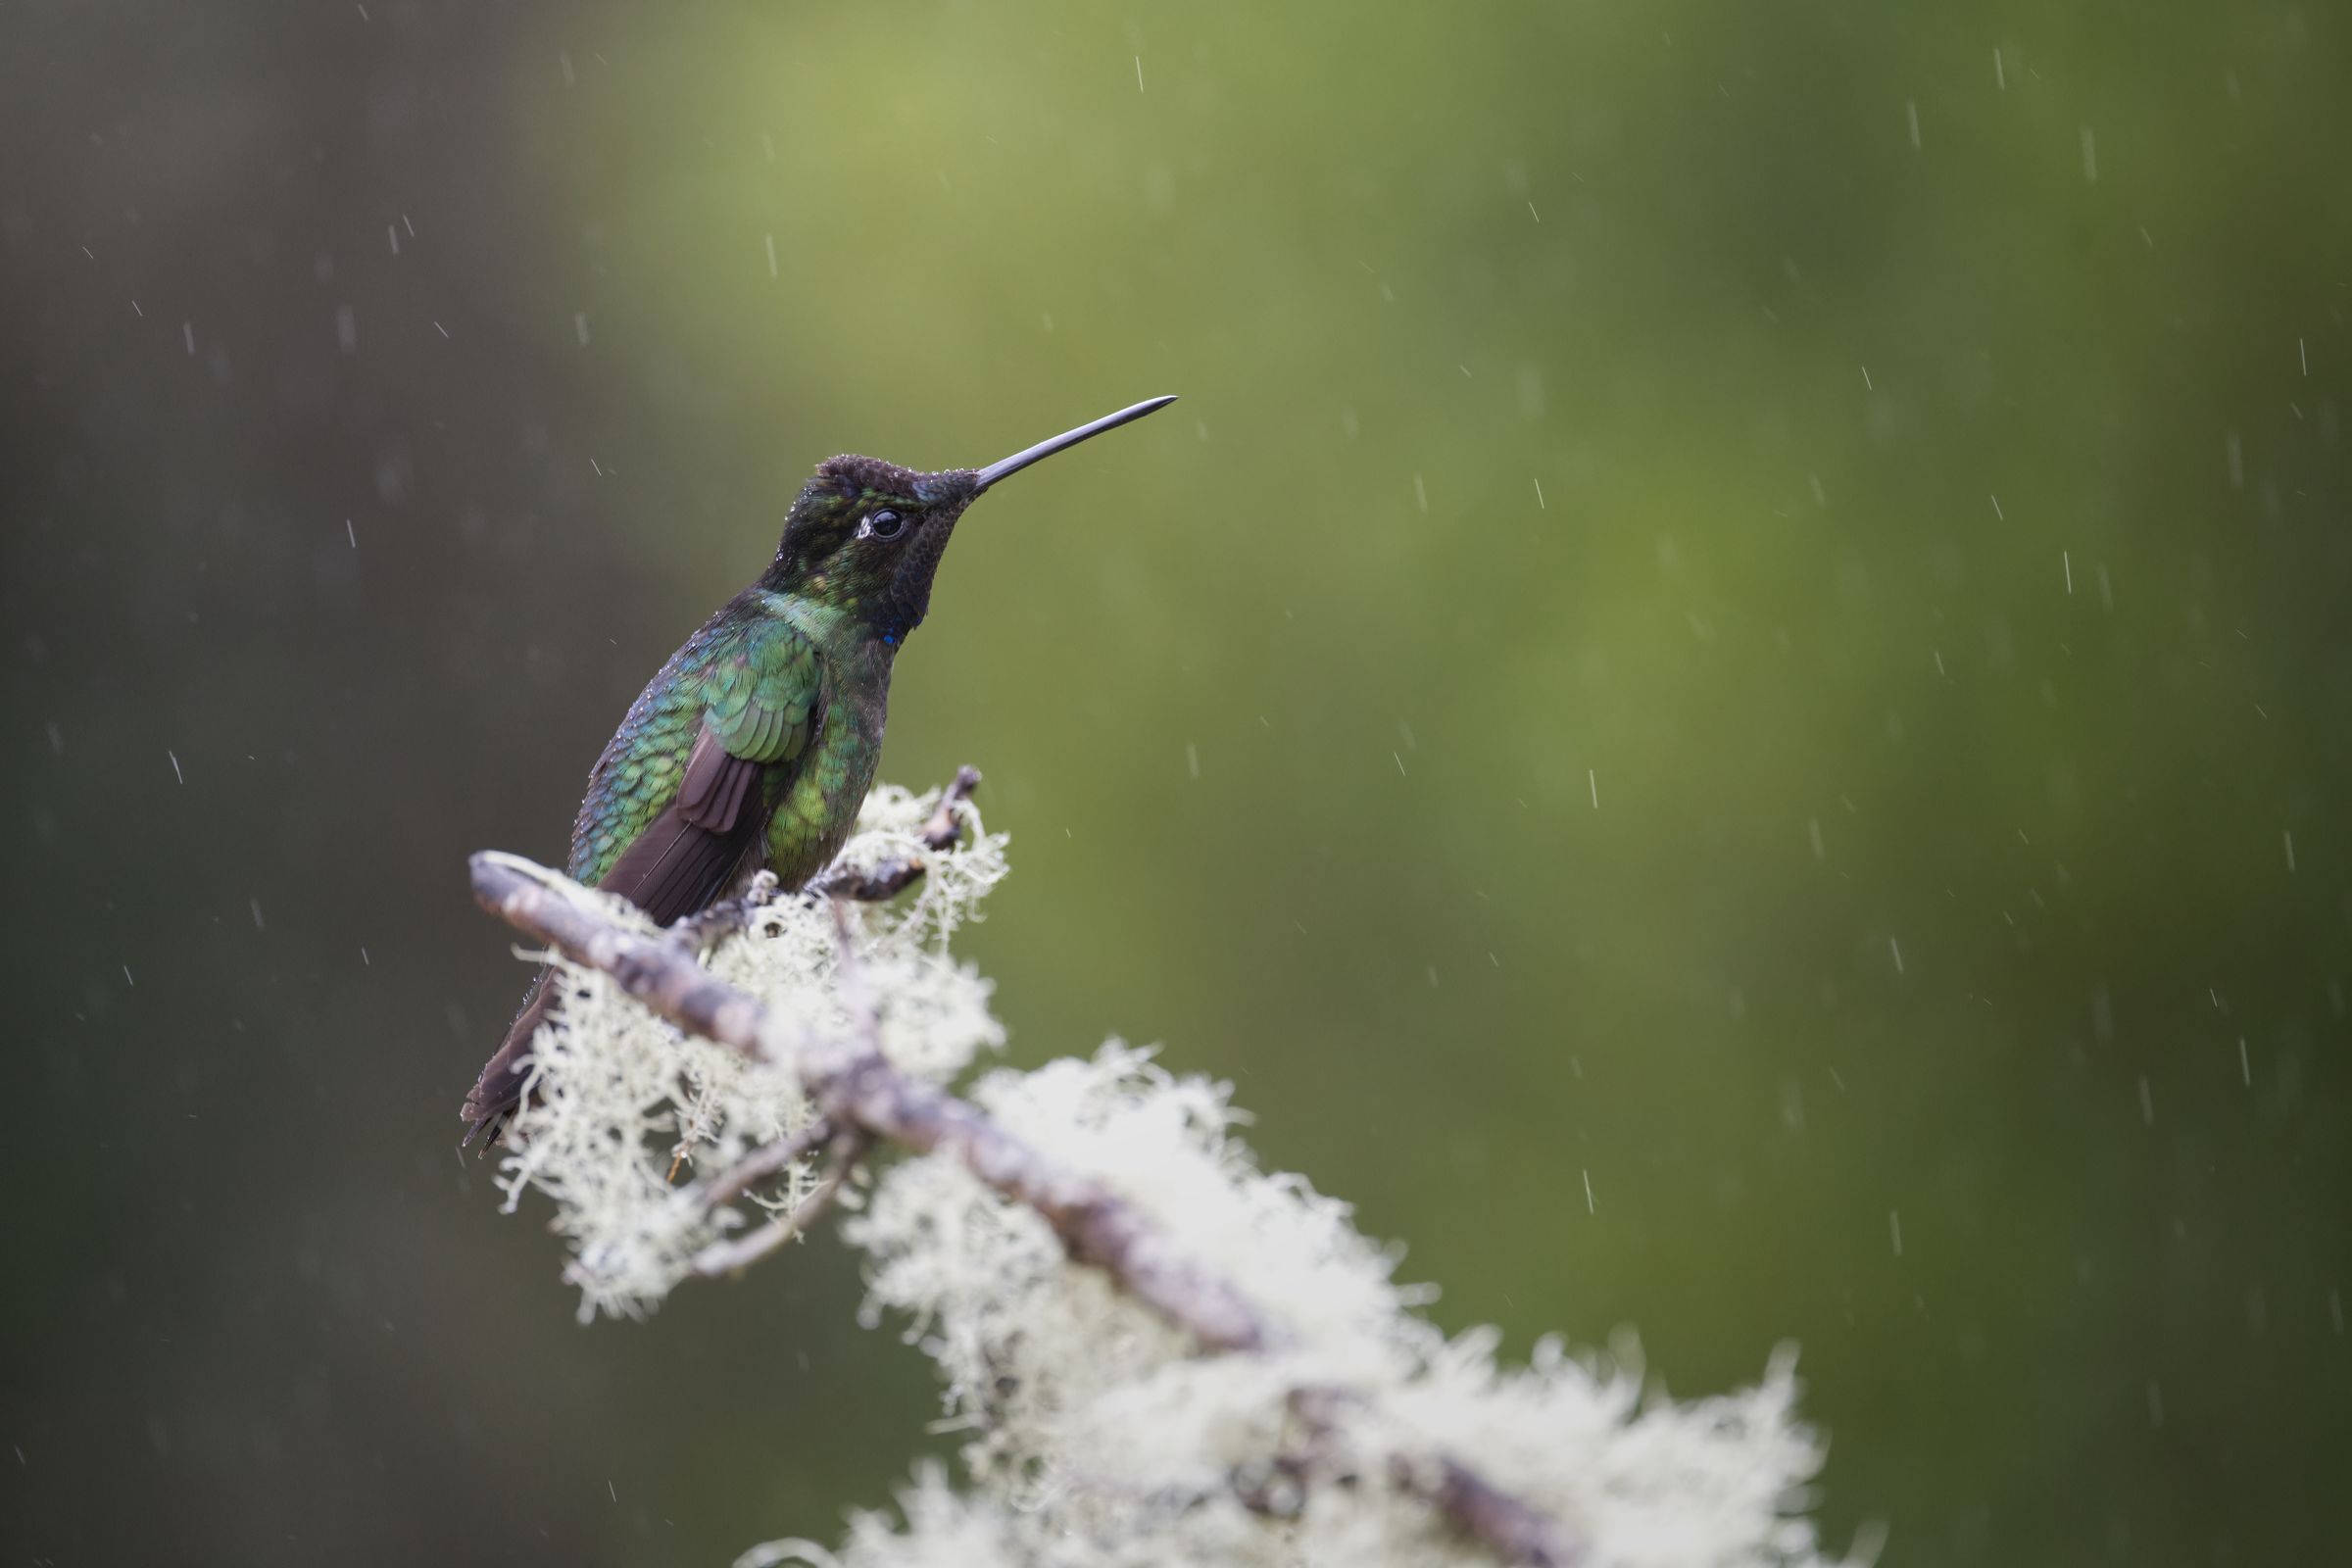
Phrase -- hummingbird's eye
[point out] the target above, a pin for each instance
(884, 525)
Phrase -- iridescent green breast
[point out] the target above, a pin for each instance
(817, 805)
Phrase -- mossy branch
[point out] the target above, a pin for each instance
(862, 1100)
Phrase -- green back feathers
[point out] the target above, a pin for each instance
(757, 696)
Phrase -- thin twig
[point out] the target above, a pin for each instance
(1506, 1527)
(1502, 1523)
(859, 1092)
(758, 1165)
(946, 825)
(739, 1251)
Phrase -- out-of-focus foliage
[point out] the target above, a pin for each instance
(1727, 703)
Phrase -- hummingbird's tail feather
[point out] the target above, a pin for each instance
(487, 1129)
(498, 1093)
(675, 868)
(685, 858)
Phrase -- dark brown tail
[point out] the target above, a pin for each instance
(498, 1093)
(681, 860)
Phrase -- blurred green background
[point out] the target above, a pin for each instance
(1727, 700)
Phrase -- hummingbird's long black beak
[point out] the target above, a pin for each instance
(1064, 441)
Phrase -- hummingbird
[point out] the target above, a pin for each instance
(755, 745)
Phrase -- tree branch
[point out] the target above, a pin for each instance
(865, 1099)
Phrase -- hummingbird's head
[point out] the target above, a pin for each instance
(866, 537)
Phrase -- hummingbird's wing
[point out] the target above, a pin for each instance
(758, 701)
(686, 856)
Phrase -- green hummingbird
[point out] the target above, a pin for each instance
(755, 745)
